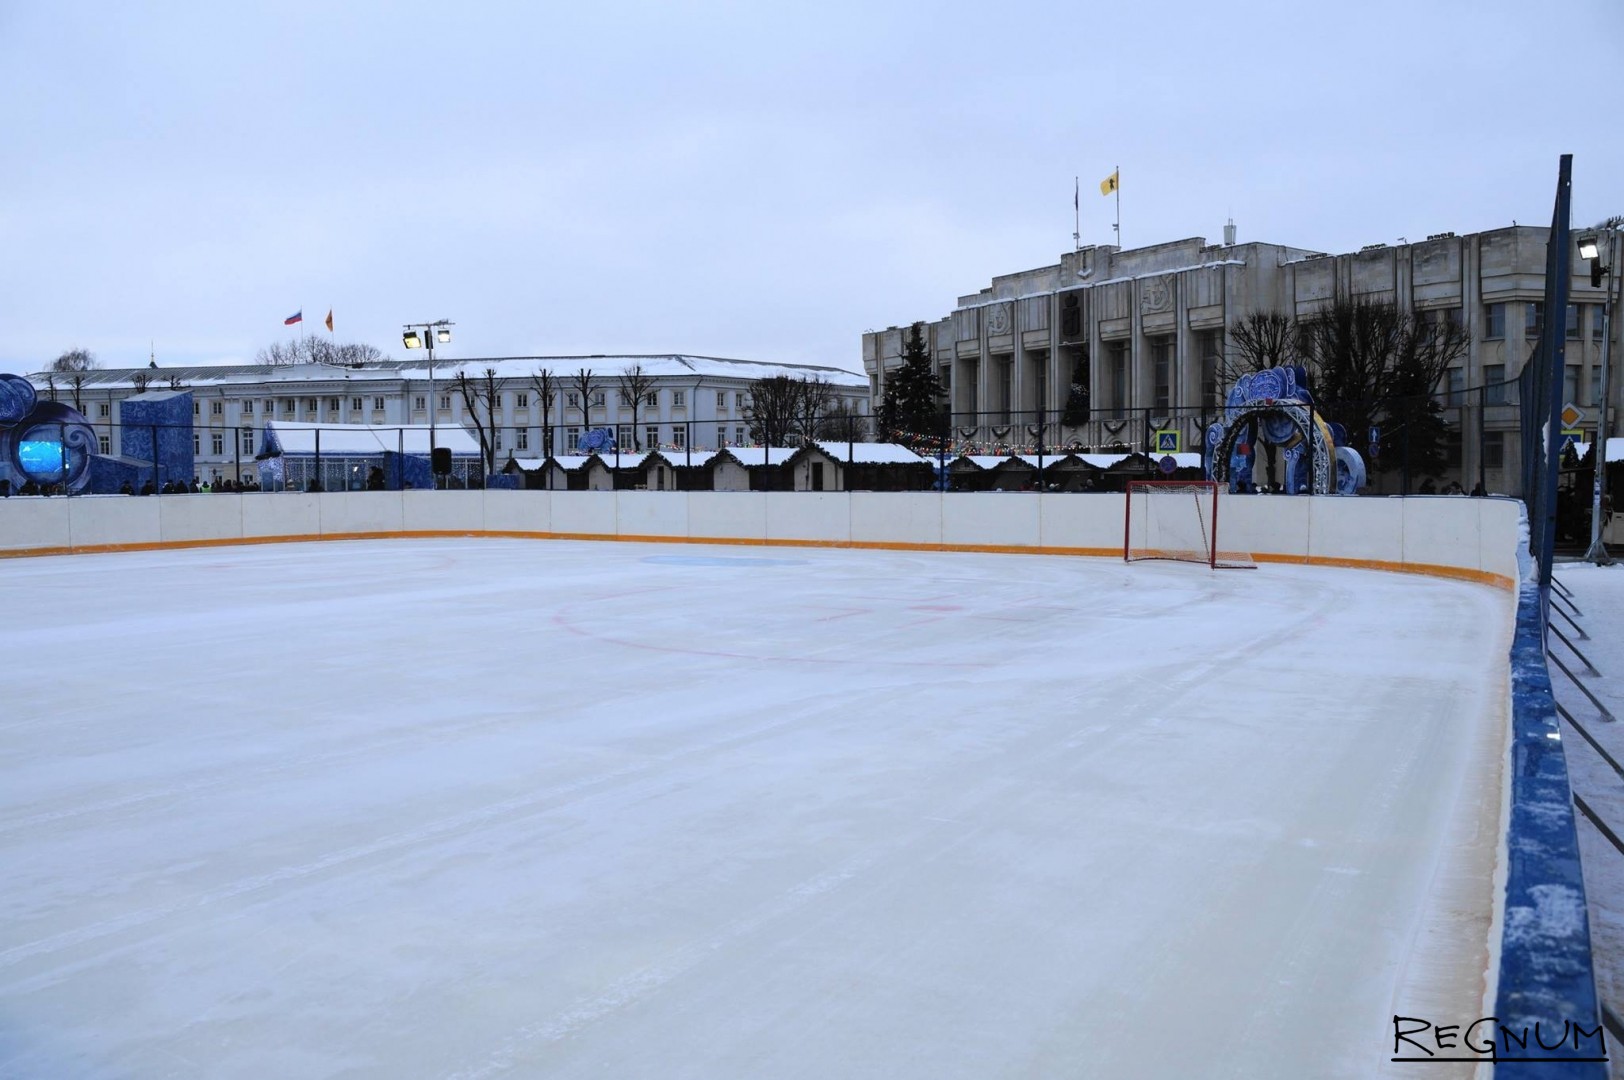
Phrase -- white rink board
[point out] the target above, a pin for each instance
(487, 807)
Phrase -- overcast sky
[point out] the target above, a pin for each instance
(753, 180)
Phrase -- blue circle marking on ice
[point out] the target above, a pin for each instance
(719, 560)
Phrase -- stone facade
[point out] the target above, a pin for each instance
(1156, 323)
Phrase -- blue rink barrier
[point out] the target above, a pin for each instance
(1546, 977)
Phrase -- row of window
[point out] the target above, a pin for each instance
(1209, 346)
(1497, 390)
(217, 406)
(624, 438)
(521, 400)
(725, 436)
(1494, 319)
(735, 436)
(217, 442)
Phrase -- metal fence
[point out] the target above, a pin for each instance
(1479, 449)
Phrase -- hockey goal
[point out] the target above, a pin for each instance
(1176, 519)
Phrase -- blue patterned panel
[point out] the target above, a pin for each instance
(17, 399)
(1350, 471)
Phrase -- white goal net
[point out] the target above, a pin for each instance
(1176, 519)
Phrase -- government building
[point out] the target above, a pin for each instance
(689, 401)
(1157, 322)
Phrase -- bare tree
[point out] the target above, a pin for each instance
(72, 364)
(1263, 339)
(479, 395)
(635, 383)
(1374, 366)
(774, 407)
(69, 369)
(315, 350)
(546, 384)
(75, 360)
(841, 422)
(585, 385)
(814, 396)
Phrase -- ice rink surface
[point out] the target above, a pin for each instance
(505, 808)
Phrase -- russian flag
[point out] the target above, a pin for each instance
(296, 317)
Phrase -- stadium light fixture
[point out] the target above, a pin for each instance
(439, 330)
(1590, 248)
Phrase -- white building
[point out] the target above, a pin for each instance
(691, 400)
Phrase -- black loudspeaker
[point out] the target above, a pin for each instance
(442, 459)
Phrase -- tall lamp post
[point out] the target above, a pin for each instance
(1590, 248)
(424, 335)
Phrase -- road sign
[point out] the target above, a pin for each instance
(1572, 415)
(1168, 464)
(1168, 441)
(1571, 437)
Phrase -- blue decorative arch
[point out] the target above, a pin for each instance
(1291, 418)
(44, 441)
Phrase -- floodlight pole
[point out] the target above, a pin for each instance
(1598, 547)
(440, 328)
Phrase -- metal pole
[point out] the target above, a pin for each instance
(1041, 485)
(1553, 343)
(1598, 548)
(434, 477)
(1482, 424)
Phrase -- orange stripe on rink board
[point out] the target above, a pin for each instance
(1458, 573)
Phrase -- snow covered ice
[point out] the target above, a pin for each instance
(505, 808)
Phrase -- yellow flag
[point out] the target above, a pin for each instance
(1109, 184)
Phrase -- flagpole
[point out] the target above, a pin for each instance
(1077, 214)
(1117, 173)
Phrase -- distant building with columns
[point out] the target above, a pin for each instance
(1156, 323)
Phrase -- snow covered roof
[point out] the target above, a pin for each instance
(606, 370)
(752, 457)
(367, 439)
(572, 462)
(870, 453)
(1107, 461)
(678, 459)
(1097, 461)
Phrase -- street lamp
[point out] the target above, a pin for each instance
(437, 331)
(1590, 248)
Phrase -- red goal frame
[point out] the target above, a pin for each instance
(1205, 493)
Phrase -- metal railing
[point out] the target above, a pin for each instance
(225, 457)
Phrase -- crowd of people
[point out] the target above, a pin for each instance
(196, 487)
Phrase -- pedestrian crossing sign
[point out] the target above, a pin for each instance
(1168, 441)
